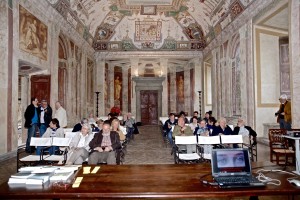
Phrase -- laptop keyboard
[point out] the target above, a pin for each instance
(236, 180)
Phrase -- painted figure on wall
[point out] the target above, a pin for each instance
(180, 89)
(32, 35)
(118, 87)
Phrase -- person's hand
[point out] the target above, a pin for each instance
(99, 149)
(282, 113)
(107, 149)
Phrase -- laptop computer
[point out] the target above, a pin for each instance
(231, 168)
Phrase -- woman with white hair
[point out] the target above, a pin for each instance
(222, 128)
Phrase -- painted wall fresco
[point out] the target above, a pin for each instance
(180, 91)
(118, 84)
(185, 24)
(32, 35)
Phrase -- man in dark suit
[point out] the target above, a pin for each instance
(32, 120)
(104, 146)
(45, 117)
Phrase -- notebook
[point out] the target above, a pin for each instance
(231, 168)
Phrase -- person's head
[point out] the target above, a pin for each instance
(241, 122)
(230, 159)
(57, 105)
(106, 127)
(115, 124)
(172, 116)
(196, 113)
(110, 115)
(84, 121)
(100, 123)
(182, 114)
(283, 98)
(128, 115)
(85, 129)
(181, 121)
(207, 115)
(195, 119)
(91, 115)
(202, 123)
(34, 101)
(44, 103)
(212, 121)
(222, 122)
(54, 123)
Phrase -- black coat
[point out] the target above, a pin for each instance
(47, 115)
(97, 140)
(29, 113)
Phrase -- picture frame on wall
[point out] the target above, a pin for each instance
(148, 10)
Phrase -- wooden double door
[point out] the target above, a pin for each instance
(149, 107)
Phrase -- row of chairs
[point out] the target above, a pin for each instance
(280, 150)
(197, 149)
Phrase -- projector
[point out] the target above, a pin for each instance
(294, 133)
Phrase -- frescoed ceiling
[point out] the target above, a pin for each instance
(129, 25)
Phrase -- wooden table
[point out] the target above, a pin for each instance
(151, 181)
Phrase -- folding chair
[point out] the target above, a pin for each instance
(59, 142)
(227, 140)
(206, 143)
(186, 150)
(34, 159)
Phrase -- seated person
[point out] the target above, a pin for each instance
(245, 131)
(222, 128)
(206, 117)
(94, 128)
(100, 124)
(115, 126)
(129, 123)
(79, 147)
(182, 114)
(203, 130)
(52, 131)
(169, 126)
(211, 123)
(195, 115)
(92, 119)
(78, 126)
(104, 145)
(194, 124)
(181, 129)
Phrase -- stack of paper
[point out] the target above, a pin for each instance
(38, 179)
(61, 175)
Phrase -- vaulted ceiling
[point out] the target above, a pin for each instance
(128, 25)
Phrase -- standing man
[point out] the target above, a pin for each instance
(61, 115)
(284, 114)
(45, 117)
(32, 119)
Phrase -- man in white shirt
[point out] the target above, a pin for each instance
(61, 115)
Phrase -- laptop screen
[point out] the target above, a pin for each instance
(227, 162)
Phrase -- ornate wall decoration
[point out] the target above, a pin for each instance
(118, 84)
(33, 34)
(148, 30)
(148, 10)
(236, 8)
(180, 90)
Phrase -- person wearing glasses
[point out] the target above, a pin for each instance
(45, 117)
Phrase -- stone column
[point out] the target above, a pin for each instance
(294, 40)
(134, 72)
(164, 71)
(187, 89)
(83, 93)
(199, 86)
(247, 72)
(214, 84)
(100, 84)
(173, 99)
(53, 63)
(24, 104)
(125, 89)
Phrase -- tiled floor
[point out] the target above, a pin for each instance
(146, 148)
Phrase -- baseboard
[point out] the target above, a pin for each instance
(8, 155)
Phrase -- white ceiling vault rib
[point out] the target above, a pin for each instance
(149, 2)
